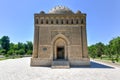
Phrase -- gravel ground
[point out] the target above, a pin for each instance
(19, 69)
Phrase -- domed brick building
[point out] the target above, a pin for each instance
(60, 39)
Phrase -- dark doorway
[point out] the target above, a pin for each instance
(60, 52)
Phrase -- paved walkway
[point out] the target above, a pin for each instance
(19, 69)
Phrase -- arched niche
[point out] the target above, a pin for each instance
(60, 47)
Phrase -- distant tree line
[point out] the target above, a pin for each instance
(12, 49)
(99, 50)
(110, 51)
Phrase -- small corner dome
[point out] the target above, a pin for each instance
(60, 10)
(42, 12)
(78, 12)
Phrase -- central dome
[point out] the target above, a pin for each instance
(60, 10)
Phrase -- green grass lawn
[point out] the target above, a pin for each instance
(107, 59)
(14, 57)
(10, 57)
(2, 59)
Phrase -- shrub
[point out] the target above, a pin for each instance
(29, 52)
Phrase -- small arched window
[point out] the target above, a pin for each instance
(72, 21)
(36, 21)
(41, 22)
(47, 21)
(56, 21)
(77, 21)
(66, 21)
(82, 21)
(51, 21)
(61, 21)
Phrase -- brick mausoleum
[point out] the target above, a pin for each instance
(60, 39)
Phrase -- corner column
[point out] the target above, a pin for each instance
(36, 40)
(84, 43)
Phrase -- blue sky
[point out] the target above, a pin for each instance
(17, 17)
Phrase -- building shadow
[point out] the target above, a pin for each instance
(98, 65)
(94, 65)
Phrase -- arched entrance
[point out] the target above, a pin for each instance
(60, 47)
(60, 51)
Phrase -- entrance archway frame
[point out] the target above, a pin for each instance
(56, 43)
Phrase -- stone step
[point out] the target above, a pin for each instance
(60, 64)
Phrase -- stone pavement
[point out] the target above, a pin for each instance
(19, 69)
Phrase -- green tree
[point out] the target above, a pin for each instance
(21, 45)
(107, 51)
(100, 49)
(10, 52)
(115, 48)
(2, 51)
(12, 45)
(92, 51)
(96, 50)
(21, 52)
(29, 52)
(5, 43)
(28, 47)
(0, 45)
